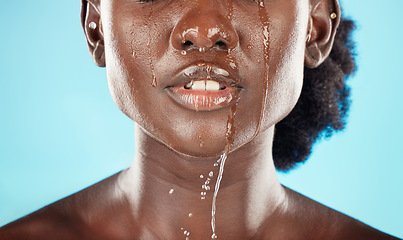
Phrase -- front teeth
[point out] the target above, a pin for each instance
(198, 85)
(207, 85)
(212, 85)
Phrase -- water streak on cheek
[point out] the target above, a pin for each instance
(264, 20)
(154, 78)
(230, 59)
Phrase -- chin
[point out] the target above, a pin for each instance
(207, 150)
(209, 145)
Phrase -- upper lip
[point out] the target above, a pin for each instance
(205, 71)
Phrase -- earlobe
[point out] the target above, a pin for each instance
(98, 54)
(92, 26)
(323, 22)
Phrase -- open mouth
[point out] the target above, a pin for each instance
(204, 95)
(204, 87)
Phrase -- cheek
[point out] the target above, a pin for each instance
(286, 61)
(118, 75)
(126, 55)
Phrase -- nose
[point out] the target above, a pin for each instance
(204, 28)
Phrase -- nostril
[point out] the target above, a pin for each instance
(221, 44)
(187, 43)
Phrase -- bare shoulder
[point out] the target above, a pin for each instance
(82, 215)
(316, 221)
(42, 224)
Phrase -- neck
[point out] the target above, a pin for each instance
(171, 194)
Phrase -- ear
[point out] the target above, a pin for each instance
(322, 28)
(92, 26)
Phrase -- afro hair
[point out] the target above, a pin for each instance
(322, 107)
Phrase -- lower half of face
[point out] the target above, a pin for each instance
(152, 82)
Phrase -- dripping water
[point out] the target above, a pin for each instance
(230, 134)
(216, 189)
(264, 20)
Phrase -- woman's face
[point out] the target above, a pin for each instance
(177, 67)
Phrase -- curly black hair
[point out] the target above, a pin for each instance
(322, 107)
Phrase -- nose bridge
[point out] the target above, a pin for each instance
(206, 24)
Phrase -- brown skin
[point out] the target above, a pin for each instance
(252, 204)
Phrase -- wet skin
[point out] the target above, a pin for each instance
(152, 51)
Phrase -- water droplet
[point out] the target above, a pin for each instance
(201, 176)
(202, 198)
(183, 37)
(154, 84)
(171, 191)
(186, 233)
(211, 174)
(230, 10)
(183, 52)
(215, 164)
(231, 61)
(201, 142)
(202, 49)
(232, 65)
(134, 54)
(190, 215)
(208, 69)
(214, 236)
(249, 46)
(203, 193)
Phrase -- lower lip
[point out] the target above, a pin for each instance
(201, 100)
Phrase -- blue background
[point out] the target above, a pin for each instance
(60, 130)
